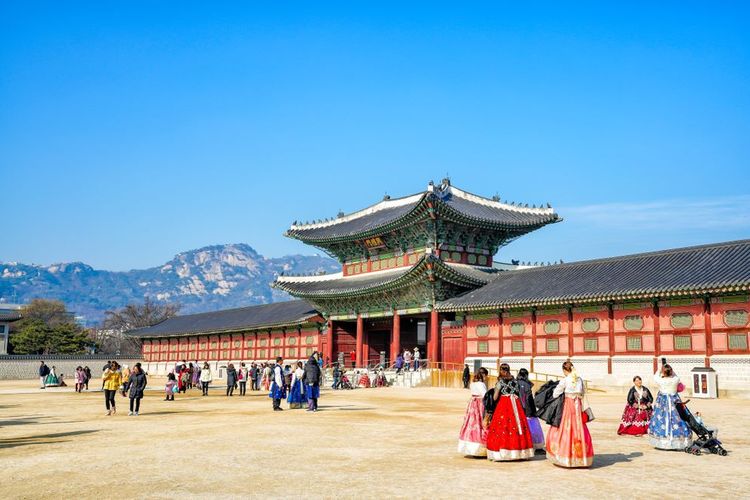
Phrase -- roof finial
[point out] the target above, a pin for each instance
(340, 214)
(386, 196)
(496, 197)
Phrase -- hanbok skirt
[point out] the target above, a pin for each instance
(472, 440)
(312, 391)
(266, 382)
(537, 434)
(634, 420)
(364, 381)
(51, 380)
(297, 396)
(570, 444)
(509, 437)
(277, 392)
(666, 430)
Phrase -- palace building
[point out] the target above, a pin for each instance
(419, 271)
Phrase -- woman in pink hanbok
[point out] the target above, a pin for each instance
(472, 440)
(569, 445)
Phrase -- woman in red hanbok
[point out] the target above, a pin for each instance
(472, 440)
(508, 436)
(637, 412)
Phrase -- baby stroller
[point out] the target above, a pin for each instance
(706, 440)
(345, 384)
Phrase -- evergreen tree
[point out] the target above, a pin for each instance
(48, 328)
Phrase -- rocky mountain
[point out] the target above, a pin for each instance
(206, 279)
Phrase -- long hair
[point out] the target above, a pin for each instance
(481, 375)
(505, 372)
(567, 366)
(667, 371)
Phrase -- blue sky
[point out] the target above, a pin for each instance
(130, 132)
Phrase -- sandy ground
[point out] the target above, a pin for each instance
(362, 444)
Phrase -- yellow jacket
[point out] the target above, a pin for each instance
(112, 379)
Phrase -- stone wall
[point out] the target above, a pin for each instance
(27, 367)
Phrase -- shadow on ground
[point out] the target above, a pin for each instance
(41, 439)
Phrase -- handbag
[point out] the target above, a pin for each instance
(588, 411)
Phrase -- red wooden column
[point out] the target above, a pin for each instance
(611, 322)
(570, 332)
(329, 345)
(395, 337)
(708, 329)
(533, 339)
(500, 323)
(657, 335)
(360, 340)
(432, 340)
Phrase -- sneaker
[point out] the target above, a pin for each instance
(130, 414)
(109, 412)
(136, 414)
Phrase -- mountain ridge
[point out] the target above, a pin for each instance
(204, 279)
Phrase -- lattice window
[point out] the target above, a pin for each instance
(237, 343)
(517, 328)
(738, 341)
(472, 258)
(482, 260)
(590, 325)
(309, 340)
(682, 342)
(634, 344)
(262, 354)
(553, 345)
(263, 342)
(291, 340)
(551, 326)
(456, 256)
(277, 352)
(634, 322)
(376, 265)
(292, 351)
(590, 345)
(483, 330)
(681, 320)
(412, 259)
(277, 341)
(225, 344)
(309, 351)
(248, 343)
(517, 346)
(483, 347)
(248, 354)
(737, 317)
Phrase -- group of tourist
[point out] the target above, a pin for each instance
(130, 383)
(503, 424)
(48, 377)
(408, 360)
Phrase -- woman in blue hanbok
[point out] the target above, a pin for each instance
(297, 396)
(666, 430)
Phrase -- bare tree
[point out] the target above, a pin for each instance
(111, 337)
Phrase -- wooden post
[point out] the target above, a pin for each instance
(329, 345)
(611, 321)
(708, 329)
(657, 335)
(395, 337)
(360, 340)
(500, 323)
(570, 331)
(432, 341)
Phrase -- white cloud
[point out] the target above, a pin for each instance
(728, 213)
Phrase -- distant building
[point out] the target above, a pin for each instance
(8, 314)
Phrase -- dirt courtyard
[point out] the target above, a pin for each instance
(362, 444)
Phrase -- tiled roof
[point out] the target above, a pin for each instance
(716, 268)
(444, 198)
(337, 284)
(244, 318)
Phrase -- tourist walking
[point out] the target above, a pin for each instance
(205, 378)
(136, 386)
(253, 375)
(407, 359)
(277, 386)
(80, 378)
(466, 376)
(312, 382)
(184, 378)
(87, 371)
(297, 388)
(112, 380)
(336, 376)
(399, 363)
(637, 413)
(417, 358)
(508, 436)
(231, 379)
(666, 430)
(267, 376)
(43, 372)
(526, 395)
(472, 439)
(242, 378)
(171, 387)
(570, 445)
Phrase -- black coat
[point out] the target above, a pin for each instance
(43, 370)
(312, 372)
(527, 397)
(231, 377)
(549, 408)
(138, 383)
(467, 374)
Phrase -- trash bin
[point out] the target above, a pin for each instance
(704, 383)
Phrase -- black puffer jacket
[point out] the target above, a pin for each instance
(138, 383)
(526, 396)
(312, 372)
(549, 408)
